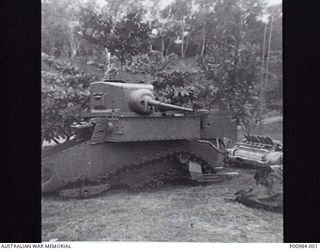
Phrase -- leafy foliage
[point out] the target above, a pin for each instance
(175, 88)
(232, 60)
(63, 90)
(130, 37)
(124, 38)
(94, 27)
(186, 88)
(59, 21)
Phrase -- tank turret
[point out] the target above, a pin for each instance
(126, 97)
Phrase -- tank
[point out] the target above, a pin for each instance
(130, 138)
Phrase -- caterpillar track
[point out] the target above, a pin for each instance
(152, 171)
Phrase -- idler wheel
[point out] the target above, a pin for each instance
(183, 158)
(160, 184)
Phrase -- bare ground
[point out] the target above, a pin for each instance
(181, 213)
(174, 213)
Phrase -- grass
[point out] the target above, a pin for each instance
(178, 213)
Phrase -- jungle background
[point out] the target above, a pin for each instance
(224, 54)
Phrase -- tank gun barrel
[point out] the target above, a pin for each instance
(141, 101)
(167, 106)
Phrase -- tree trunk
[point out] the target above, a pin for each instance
(121, 63)
(73, 45)
(186, 47)
(122, 57)
(262, 85)
(203, 39)
(268, 54)
(182, 41)
(162, 47)
(53, 49)
(167, 50)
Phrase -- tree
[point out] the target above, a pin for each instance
(163, 35)
(200, 24)
(275, 82)
(177, 12)
(59, 19)
(129, 37)
(117, 10)
(233, 56)
(94, 26)
(124, 38)
(63, 91)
